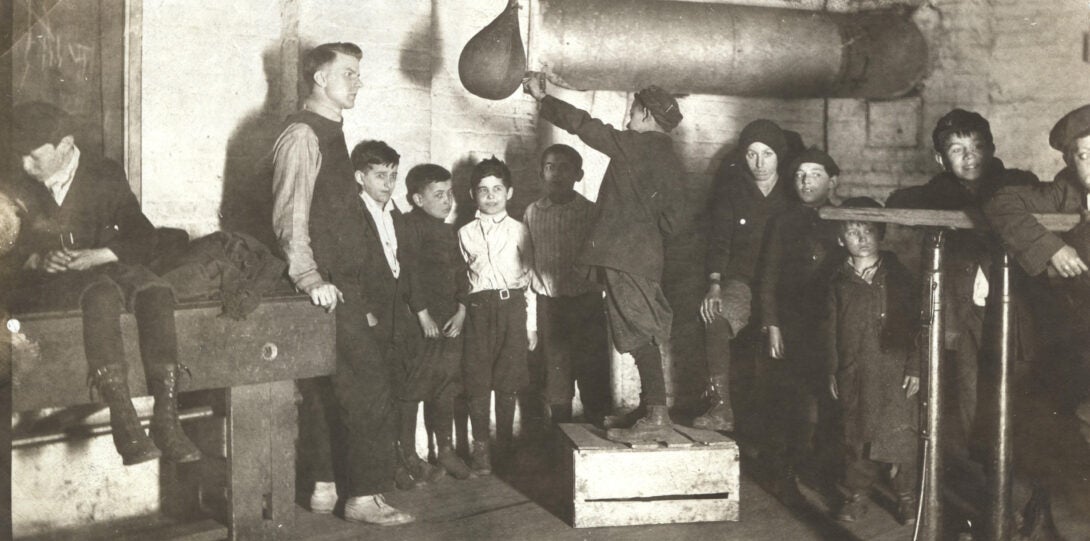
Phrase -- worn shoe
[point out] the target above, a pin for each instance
(373, 509)
(853, 509)
(720, 416)
(452, 463)
(421, 470)
(652, 426)
(324, 498)
(166, 430)
(480, 460)
(403, 479)
(130, 440)
(906, 509)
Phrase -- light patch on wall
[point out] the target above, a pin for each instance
(893, 123)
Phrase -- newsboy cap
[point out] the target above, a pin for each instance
(818, 156)
(1072, 126)
(662, 106)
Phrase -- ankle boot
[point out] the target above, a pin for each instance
(449, 459)
(421, 470)
(130, 440)
(719, 416)
(906, 508)
(165, 428)
(652, 426)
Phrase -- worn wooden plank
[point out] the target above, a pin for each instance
(283, 339)
(594, 514)
(584, 439)
(710, 438)
(677, 440)
(938, 218)
(663, 472)
(248, 426)
(282, 414)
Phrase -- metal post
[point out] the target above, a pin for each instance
(1001, 479)
(931, 529)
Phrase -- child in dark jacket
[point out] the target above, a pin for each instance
(438, 287)
(873, 369)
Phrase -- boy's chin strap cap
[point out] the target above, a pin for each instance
(1072, 126)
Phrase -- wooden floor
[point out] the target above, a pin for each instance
(531, 508)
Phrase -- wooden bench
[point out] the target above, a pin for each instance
(245, 368)
(691, 476)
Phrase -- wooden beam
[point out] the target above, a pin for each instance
(954, 219)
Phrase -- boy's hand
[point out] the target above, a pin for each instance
(326, 295)
(1067, 262)
(911, 385)
(453, 326)
(533, 83)
(431, 330)
(532, 335)
(775, 342)
(833, 390)
(51, 262)
(712, 307)
(86, 259)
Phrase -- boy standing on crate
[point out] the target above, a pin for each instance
(873, 368)
(501, 324)
(638, 206)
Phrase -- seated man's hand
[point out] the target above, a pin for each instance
(326, 295)
(775, 342)
(51, 262)
(453, 326)
(1067, 262)
(712, 307)
(86, 259)
(427, 324)
(911, 385)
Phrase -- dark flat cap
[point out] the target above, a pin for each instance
(662, 105)
(37, 123)
(818, 156)
(763, 131)
(960, 121)
(1072, 126)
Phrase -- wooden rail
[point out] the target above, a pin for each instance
(954, 219)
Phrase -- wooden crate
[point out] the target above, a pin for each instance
(690, 477)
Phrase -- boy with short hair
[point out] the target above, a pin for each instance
(570, 312)
(438, 287)
(872, 365)
(800, 253)
(639, 207)
(971, 176)
(501, 319)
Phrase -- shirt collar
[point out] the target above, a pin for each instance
(491, 218)
(324, 110)
(60, 181)
(374, 206)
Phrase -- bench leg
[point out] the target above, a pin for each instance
(261, 425)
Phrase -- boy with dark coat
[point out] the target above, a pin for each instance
(638, 204)
(801, 252)
(872, 365)
(84, 245)
(971, 175)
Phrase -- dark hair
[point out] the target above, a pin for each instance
(564, 150)
(39, 123)
(422, 175)
(963, 123)
(862, 202)
(323, 54)
(492, 167)
(369, 153)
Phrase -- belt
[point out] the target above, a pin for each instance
(501, 294)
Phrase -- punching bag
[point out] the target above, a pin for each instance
(493, 61)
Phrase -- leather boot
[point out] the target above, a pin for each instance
(651, 427)
(480, 459)
(450, 461)
(422, 471)
(165, 428)
(906, 508)
(854, 507)
(130, 440)
(720, 416)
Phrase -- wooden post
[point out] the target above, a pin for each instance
(1000, 483)
(931, 527)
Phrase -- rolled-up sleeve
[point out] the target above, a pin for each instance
(296, 161)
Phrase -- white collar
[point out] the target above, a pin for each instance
(59, 182)
(493, 218)
(374, 206)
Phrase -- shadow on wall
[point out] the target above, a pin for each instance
(247, 171)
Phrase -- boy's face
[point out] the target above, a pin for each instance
(1080, 159)
(341, 80)
(378, 181)
(860, 239)
(435, 199)
(559, 174)
(46, 160)
(762, 161)
(965, 156)
(813, 184)
(491, 195)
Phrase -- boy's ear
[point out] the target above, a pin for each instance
(417, 199)
(319, 78)
(510, 192)
(940, 159)
(832, 182)
(840, 241)
(358, 176)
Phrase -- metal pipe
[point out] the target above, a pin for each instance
(1001, 479)
(933, 465)
(728, 49)
(99, 429)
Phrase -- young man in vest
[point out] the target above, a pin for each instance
(319, 222)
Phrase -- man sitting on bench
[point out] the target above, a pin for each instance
(83, 245)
